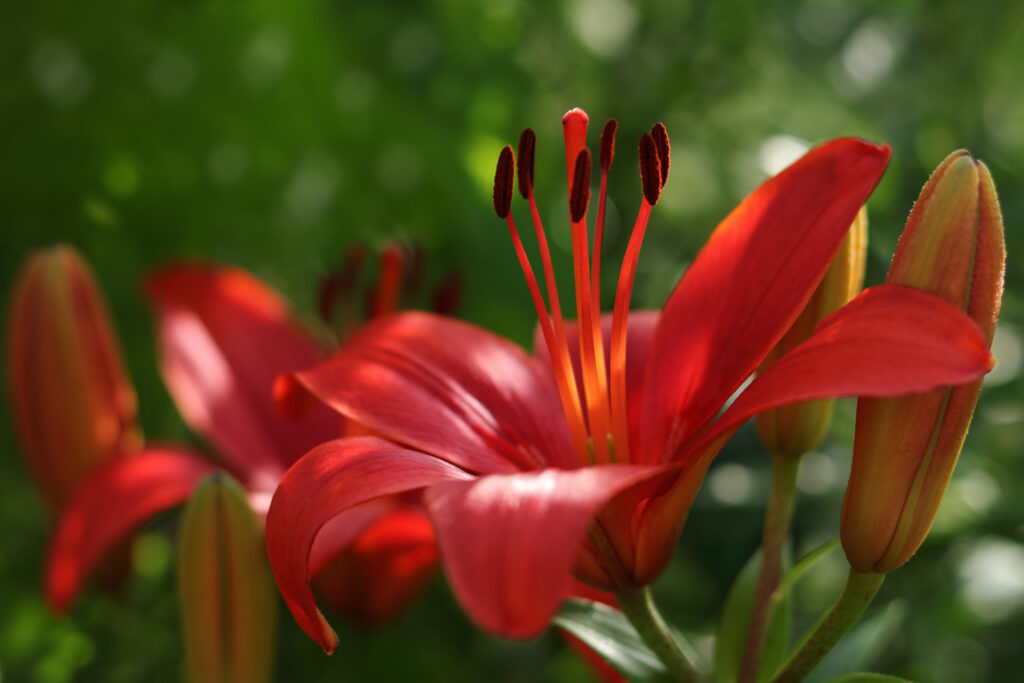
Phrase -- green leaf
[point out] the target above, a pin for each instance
(868, 678)
(731, 637)
(862, 645)
(607, 631)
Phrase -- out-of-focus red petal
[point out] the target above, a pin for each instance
(110, 504)
(224, 337)
(639, 332)
(509, 540)
(382, 570)
(748, 284)
(890, 340)
(332, 478)
(445, 387)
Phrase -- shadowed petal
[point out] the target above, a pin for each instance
(380, 571)
(747, 286)
(224, 337)
(335, 477)
(445, 387)
(111, 503)
(509, 541)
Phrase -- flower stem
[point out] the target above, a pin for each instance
(857, 595)
(638, 606)
(776, 529)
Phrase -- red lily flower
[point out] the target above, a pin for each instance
(525, 481)
(224, 336)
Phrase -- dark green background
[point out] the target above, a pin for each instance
(273, 135)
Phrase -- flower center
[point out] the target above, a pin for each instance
(598, 422)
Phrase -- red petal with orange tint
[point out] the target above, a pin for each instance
(509, 541)
(110, 504)
(445, 387)
(890, 340)
(331, 479)
(224, 338)
(748, 284)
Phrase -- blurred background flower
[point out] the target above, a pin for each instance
(275, 135)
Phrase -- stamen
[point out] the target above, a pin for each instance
(650, 169)
(591, 342)
(574, 128)
(650, 173)
(660, 135)
(564, 378)
(390, 280)
(608, 144)
(448, 295)
(527, 158)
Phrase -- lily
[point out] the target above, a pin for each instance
(223, 338)
(584, 462)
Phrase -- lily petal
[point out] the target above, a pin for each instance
(111, 503)
(890, 340)
(331, 479)
(224, 338)
(509, 541)
(377, 575)
(748, 284)
(446, 387)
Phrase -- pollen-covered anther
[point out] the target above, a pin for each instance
(650, 169)
(580, 187)
(503, 182)
(527, 157)
(607, 154)
(660, 135)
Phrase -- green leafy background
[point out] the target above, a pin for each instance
(273, 135)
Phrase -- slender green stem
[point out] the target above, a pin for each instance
(776, 529)
(857, 595)
(638, 606)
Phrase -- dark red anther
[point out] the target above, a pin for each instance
(503, 182)
(527, 158)
(650, 169)
(608, 144)
(660, 135)
(339, 284)
(580, 186)
(415, 265)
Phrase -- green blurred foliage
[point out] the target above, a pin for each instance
(273, 135)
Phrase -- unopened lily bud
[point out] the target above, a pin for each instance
(906, 447)
(228, 600)
(793, 430)
(73, 402)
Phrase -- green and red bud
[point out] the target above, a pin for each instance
(793, 430)
(906, 447)
(228, 600)
(73, 402)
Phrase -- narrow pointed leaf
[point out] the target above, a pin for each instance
(607, 631)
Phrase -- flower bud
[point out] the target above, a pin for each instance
(793, 430)
(906, 447)
(228, 600)
(73, 402)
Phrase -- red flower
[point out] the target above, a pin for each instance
(530, 477)
(224, 337)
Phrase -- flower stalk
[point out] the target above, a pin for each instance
(637, 604)
(776, 529)
(860, 590)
